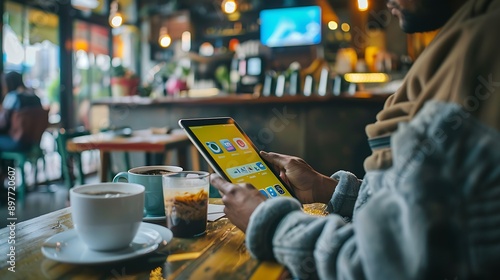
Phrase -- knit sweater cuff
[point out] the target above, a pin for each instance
(263, 223)
(345, 195)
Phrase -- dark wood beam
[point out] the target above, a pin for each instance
(66, 100)
(2, 7)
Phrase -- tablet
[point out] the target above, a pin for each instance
(231, 153)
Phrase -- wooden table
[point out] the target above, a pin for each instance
(140, 141)
(220, 254)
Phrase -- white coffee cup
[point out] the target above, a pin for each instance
(106, 216)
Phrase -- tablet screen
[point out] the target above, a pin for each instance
(229, 151)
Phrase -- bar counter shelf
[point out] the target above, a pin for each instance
(327, 131)
(235, 99)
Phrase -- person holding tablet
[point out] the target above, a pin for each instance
(427, 207)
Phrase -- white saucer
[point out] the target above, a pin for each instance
(154, 218)
(74, 251)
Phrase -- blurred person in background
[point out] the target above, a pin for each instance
(17, 98)
(22, 117)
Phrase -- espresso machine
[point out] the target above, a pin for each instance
(246, 73)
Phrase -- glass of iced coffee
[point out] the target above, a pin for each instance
(185, 195)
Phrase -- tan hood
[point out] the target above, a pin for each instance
(461, 65)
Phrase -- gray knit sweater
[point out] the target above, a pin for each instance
(434, 215)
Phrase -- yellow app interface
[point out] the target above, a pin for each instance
(238, 159)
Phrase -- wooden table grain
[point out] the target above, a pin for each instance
(220, 254)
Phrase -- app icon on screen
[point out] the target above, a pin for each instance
(241, 144)
(271, 191)
(243, 170)
(279, 189)
(227, 145)
(260, 166)
(234, 172)
(264, 193)
(214, 147)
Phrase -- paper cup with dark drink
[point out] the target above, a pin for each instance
(150, 178)
(107, 216)
(185, 196)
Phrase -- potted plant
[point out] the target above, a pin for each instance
(123, 82)
(177, 82)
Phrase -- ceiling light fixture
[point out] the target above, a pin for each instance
(229, 6)
(164, 39)
(362, 5)
(115, 17)
(333, 25)
(345, 27)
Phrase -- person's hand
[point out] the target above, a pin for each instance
(240, 200)
(309, 185)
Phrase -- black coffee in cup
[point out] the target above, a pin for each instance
(153, 172)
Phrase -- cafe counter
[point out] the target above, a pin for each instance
(327, 131)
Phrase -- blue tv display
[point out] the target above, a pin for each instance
(297, 26)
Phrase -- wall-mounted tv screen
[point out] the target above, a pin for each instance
(296, 26)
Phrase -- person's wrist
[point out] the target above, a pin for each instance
(324, 188)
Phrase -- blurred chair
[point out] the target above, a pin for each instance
(70, 161)
(20, 158)
(27, 126)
